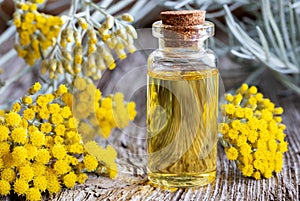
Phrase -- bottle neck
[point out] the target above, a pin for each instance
(182, 46)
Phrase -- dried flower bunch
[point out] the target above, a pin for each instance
(253, 133)
(58, 41)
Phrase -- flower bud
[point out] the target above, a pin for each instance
(100, 62)
(121, 53)
(60, 69)
(52, 64)
(109, 22)
(77, 68)
(122, 33)
(131, 31)
(91, 61)
(67, 66)
(45, 66)
(127, 17)
(77, 38)
(83, 23)
(66, 54)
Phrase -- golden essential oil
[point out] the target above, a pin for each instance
(182, 112)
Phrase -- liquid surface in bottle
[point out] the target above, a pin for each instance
(182, 112)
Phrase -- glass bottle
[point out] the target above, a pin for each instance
(182, 102)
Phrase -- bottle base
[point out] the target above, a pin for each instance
(182, 181)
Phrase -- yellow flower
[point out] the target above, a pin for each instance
(90, 162)
(16, 107)
(237, 99)
(66, 112)
(73, 123)
(32, 129)
(245, 150)
(70, 179)
(19, 135)
(28, 114)
(232, 153)
(44, 113)
(37, 138)
(35, 88)
(61, 167)
(278, 111)
(53, 185)
(247, 170)
(81, 178)
(4, 148)
(252, 90)
(233, 134)
(4, 187)
(62, 89)
(39, 169)
(266, 115)
(57, 118)
(229, 109)
(46, 127)
(19, 155)
(239, 112)
(67, 98)
(33, 194)
(59, 151)
(13, 119)
(54, 108)
(42, 156)
(256, 175)
(283, 146)
(243, 89)
(26, 173)
(4, 131)
(31, 151)
(40, 182)
(75, 148)
(60, 129)
(42, 101)
(21, 186)
(8, 174)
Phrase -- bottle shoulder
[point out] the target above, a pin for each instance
(182, 60)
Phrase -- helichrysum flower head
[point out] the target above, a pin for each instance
(41, 146)
(252, 133)
(36, 31)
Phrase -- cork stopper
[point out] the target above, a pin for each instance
(183, 17)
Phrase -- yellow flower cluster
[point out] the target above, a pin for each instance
(252, 133)
(97, 114)
(36, 31)
(105, 155)
(41, 149)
